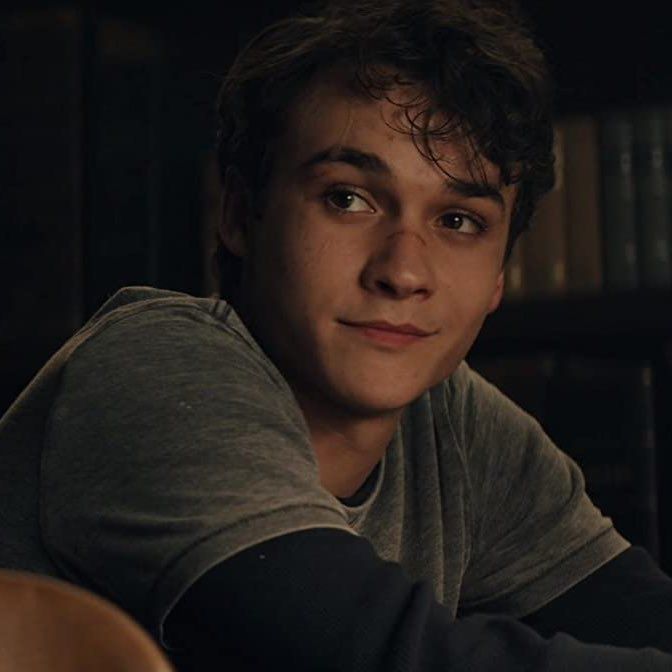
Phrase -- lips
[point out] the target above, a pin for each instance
(406, 328)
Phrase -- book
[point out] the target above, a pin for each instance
(123, 155)
(653, 180)
(545, 244)
(583, 206)
(601, 413)
(619, 242)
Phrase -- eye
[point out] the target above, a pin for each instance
(463, 223)
(347, 200)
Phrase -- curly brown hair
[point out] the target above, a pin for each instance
(476, 60)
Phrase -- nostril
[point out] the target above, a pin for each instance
(392, 289)
(400, 289)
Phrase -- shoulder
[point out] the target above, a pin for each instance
(146, 349)
(147, 308)
(144, 326)
(475, 405)
(493, 433)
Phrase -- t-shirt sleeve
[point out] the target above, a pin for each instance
(535, 532)
(173, 444)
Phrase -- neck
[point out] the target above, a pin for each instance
(347, 445)
(347, 448)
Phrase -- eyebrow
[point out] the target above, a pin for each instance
(372, 163)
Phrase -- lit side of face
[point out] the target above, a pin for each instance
(358, 226)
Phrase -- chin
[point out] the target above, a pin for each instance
(377, 403)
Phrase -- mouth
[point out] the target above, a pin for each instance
(387, 334)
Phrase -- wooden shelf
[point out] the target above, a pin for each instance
(607, 320)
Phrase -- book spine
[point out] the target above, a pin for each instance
(663, 424)
(545, 244)
(645, 464)
(654, 207)
(618, 202)
(582, 189)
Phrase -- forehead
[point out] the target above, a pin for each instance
(331, 114)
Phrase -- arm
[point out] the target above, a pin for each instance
(322, 600)
(531, 510)
(627, 602)
(173, 444)
(536, 533)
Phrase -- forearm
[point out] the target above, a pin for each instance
(628, 602)
(322, 600)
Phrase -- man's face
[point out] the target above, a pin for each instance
(358, 227)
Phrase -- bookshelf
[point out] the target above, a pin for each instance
(631, 319)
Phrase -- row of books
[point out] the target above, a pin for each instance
(607, 224)
(610, 416)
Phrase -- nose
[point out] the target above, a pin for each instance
(399, 267)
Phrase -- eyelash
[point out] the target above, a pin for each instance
(477, 221)
(341, 190)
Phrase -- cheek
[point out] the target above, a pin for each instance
(470, 282)
(277, 247)
(317, 256)
(294, 272)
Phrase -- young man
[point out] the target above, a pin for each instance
(306, 475)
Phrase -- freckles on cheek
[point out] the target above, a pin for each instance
(317, 253)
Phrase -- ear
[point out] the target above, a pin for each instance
(497, 294)
(236, 210)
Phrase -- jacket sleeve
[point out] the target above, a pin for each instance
(627, 602)
(323, 600)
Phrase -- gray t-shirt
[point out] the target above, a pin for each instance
(161, 440)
